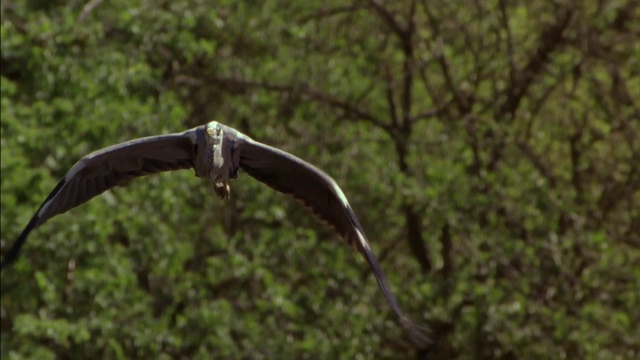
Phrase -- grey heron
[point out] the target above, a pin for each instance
(215, 152)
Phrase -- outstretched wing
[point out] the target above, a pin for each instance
(109, 167)
(290, 175)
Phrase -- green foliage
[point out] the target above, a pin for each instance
(490, 150)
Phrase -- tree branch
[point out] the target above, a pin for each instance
(538, 163)
(303, 90)
(87, 9)
(393, 112)
(550, 39)
(322, 14)
(388, 18)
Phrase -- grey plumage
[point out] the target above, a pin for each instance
(215, 152)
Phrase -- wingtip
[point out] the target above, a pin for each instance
(417, 333)
(11, 257)
(14, 252)
(7, 261)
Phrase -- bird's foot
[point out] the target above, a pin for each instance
(222, 190)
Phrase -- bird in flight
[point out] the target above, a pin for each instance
(216, 152)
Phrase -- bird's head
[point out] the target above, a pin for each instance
(214, 133)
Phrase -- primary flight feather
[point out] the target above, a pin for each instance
(215, 152)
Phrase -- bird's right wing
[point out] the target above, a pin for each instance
(109, 167)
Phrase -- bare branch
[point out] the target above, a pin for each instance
(349, 109)
(390, 96)
(442, 60)
(504, 18)
(415, 239)
(88, 8)
(576, 155)
(407, 90)
(446, 71)
(388, 18)
(322, 14)
(538, 163)
(550, 39)
(430, 113)
(613, 192)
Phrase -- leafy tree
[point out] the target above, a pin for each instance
(489, 148)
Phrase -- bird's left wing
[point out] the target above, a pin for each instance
(319, 192)
(109, 167)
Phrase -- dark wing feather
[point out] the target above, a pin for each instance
(106, 168)
(291, 175)
(288, 174)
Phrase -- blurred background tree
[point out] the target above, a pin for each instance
(490, 149)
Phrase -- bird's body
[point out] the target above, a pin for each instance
(216, 152)
(218, 161)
